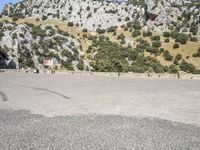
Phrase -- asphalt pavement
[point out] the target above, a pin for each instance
(80, 112)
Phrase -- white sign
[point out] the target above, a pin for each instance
(48, 62)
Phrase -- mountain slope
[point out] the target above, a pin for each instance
(138, 36)
(156, 15)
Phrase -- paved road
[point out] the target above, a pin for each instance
(91, 112)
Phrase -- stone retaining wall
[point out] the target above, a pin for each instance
(114, 74)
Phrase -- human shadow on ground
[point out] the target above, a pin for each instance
(3, 96)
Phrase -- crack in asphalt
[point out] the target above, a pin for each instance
(4, 96)
(47, 90)
(50, 91)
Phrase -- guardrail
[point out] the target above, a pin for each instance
(111, 74)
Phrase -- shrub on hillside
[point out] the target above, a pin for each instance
(178, 57)
(116, 58)
(85, 36)
(100, 31)
(1, 34)
(70, 24)
(187, 67)
(1, 24)
(80, 64)
(64, 33)
(166, 34)
(176, 62)
(84, 30)
(176, 45)
(167, 40)
(174, 34)
(25, 59)
(197, 54)
(38, 31)
(31, 25)
(147, 34)
(114, 33)
(92, 38)
(129, 24)
(162, 50)
(136, 33)
(14, 36)
(112, 29)
(152, 50)
(173, 69)
(3, 53)
(156, 44)
(15, 18)
(167, 56)
(155, 38)
(182, 38)
(193, 39)
(136, 25)
(67, 65)
(144, 64)
(121, 36)
(127, 19)
(185, 30)
(143, 45)
(194, 29)
(44, 17)
(88, 8)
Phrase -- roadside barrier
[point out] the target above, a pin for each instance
(110, 74)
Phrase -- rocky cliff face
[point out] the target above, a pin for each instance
(161, 15)
(92, 14)
(84, 13)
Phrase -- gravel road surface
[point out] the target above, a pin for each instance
(22, 130)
